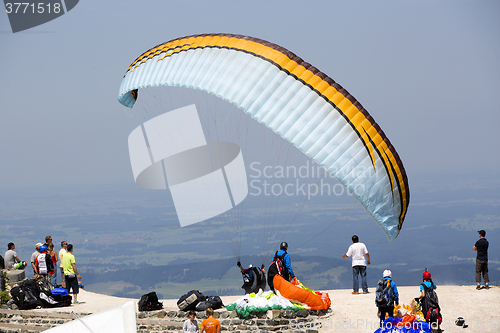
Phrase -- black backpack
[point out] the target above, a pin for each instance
(26, 296)
(430, 305)
(384, 295)
(149, 302)
(277, 267)
(214, 302)
(2, 263)
(189, 301)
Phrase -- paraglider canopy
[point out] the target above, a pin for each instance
(292, 98)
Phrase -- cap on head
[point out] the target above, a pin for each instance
(482, 233)
(250, 266)
(284, 246)
(387, 273)
(42, 248)
(426, 275)
(38, 245)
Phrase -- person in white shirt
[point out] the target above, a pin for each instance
(190, 325)
(12, 261)
(358, 252)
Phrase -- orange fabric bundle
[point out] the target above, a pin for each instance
(316, 300)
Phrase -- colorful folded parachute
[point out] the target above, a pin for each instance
(398, 325)
(297, 292)
(262, 301)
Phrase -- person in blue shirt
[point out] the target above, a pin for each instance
(429, 286)
(286, 272)
(389, 309)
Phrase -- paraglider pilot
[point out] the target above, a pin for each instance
(281, 265)
(253, 278)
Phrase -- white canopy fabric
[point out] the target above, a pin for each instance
(119, 319)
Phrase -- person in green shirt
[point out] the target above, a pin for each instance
(71, 274)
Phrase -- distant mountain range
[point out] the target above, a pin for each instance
(320, 273)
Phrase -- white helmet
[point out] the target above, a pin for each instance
(387, 273)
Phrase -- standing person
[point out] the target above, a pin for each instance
(12, 260)
(358, 251)
(210, 325)
(386, 295)
(62, 252)
(429, 301)
(71, 273)
(280, 265)
(190, 325)
(43, 264)
(481, 247)
(48, 240)
(33, 258)
(53, 256)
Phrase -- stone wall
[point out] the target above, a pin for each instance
(285, 321)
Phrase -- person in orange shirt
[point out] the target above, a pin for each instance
(210, 325)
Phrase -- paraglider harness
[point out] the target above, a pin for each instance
(277, 267)
(255, 281)
(430, 305)
(384, 295)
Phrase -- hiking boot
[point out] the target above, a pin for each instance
(486, 287)
(366, 292)
(355, 293)
(478, 287)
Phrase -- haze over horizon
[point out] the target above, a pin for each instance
(427, 71)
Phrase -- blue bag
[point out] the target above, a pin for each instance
(59, 291)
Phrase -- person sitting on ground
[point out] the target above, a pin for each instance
(253, 278)
(12, 261)
(276, 267)
(429, 300)
(190, 325)
(210, 325)
(385, 298)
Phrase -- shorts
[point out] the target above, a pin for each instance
(72, 283)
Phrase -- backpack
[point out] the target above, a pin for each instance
(2, 263)
(190, 300)
(277, 267)
(214, 302)
(59, 291)
(52, 301)
(149, 302)
(26, 296)
(430, 305)
(384, 295)
(43, 263)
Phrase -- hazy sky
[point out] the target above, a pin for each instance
(427, 71)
